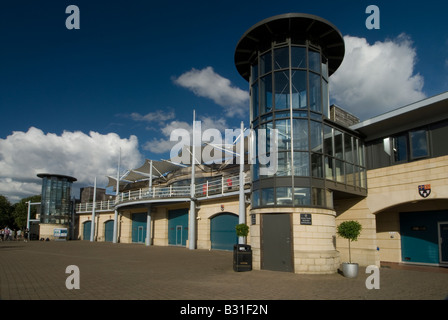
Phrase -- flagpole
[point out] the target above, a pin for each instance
(92, 230)
(192, 222)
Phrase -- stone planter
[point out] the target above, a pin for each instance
(350, 270)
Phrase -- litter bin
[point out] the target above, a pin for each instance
(242, 257)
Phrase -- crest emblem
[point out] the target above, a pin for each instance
(424, 190)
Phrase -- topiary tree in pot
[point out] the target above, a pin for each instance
(349, 230)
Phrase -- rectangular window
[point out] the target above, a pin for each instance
(419, 144)
(281, 58)
(301, 164)
(401, 148)
(300, 129)
(284, 196)
(267, 196)
(281, 90)
(302, 196)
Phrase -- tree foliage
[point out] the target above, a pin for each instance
(15, 215)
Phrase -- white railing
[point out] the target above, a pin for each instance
(215, 187)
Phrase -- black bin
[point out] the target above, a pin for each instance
(242, 257)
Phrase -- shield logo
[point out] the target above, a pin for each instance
(424, 190)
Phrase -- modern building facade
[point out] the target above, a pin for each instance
(390, 172)
(56, 203)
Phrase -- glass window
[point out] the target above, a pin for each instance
(284, 134)
(300, 130)
(401, 148)
(328, 140)
(316, 165)
(324, 68)
(298, 57)
(302, 196)
(301, 164)
(266, 94)
(318, 197)
(338, 144)
(283, 164)
(349, 173)
(329, 168)
(325, 99)
(282, 90)
(267, 196)
(266, 63)
(348, 148)
(255, 170)
(254, 98)
(298, 89)
(316, 136)
(254, 72)
(340, 173)
(419, 144)
(255, 198)
(284, 196)
(315, 93)
(314, 60)
(281, 58)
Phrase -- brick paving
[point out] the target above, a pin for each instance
(36, 271)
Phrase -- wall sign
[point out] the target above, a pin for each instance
(305, 219)
(424, 190)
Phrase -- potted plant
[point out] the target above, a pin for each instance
(349, 230)
(242, 253)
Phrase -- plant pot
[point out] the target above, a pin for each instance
(350, 270)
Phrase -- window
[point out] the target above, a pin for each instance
(419, 144)
(281, 90)
(266, 97)
(299, 89)
(401, 148)
(281, 58)
(298, 57)
(300, 130)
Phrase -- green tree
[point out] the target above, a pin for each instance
(6, 209)
(20, 213)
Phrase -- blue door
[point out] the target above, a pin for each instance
(420, 236)
(222, 231)
(178, 227)
(139, 227)
(443, 242)
(86, 230)
(109, 231)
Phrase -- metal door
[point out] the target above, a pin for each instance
(443, 242)
(222, 231)
(86, 230)
(109, 231)
(276, 243)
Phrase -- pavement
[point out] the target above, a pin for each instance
(37, 270)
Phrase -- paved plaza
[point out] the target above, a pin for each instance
(37, 271)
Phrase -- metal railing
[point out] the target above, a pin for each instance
(214, 187)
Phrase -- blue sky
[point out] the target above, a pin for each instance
(136, 69)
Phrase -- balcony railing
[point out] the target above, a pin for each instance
(212, 188)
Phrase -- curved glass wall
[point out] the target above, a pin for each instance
(289, 93)
(56, 203)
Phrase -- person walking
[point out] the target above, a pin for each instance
(25, 235)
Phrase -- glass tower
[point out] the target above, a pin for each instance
(287, 61)
(56, 203)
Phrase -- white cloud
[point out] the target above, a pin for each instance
(156, 116)
(25, 154)
(377, 78)
(207, 83)
(164, 145)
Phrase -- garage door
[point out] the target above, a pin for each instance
(222, 231)
(420, 236)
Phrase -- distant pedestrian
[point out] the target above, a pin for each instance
(25, 235)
